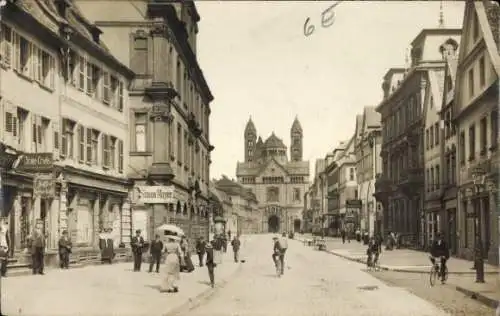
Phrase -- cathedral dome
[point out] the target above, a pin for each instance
(274, 142)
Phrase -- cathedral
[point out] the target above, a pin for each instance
(278, 183)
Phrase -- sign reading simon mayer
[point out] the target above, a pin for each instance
(155, 194)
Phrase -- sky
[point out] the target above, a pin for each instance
(258, 63)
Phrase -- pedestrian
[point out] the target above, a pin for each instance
(38, 250)
(224, 243)
(229, 234)
(217, 249)
(342, 233)
(155, 251)
(200, 249)
(283, 246)
(188, 263)
(210, 262)
(173, 262)
(4, 246)
(64, 250)
(106, 246)
(236, 244)
(137, 248)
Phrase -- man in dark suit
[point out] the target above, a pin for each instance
(38, 250)
(200, 249)
(4, 246)
(137, 247)
(155, 250)
(64, 250)
(210, 262)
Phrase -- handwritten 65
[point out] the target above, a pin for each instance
(327, 19)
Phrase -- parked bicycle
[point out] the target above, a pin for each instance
(436, 271)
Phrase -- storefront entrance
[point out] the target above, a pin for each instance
(273, 224)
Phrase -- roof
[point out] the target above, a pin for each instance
(250, 126)
(233, 188)
(296, 125)
(274, 142)
(253, 169)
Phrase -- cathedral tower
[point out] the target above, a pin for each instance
(296, 141)
(250, 139)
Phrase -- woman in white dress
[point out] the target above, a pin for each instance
(172, 266)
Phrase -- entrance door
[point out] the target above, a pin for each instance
(452, 230)
(296, 225)
(273, 224)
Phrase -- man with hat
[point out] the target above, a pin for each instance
(64, 250)
(137, 248)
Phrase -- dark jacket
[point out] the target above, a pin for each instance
(37, 240)
(156, 247)
(137, 244)
(200, 246)
(236, 243)
(210, 257)
(440, 248)
(64, 245)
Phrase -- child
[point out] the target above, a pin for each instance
(372, 252)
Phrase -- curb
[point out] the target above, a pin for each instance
(479, 297)
(362, 261)
(196, 301)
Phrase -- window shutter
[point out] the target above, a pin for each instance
(52, 72)
(89, 145)
(56, 141)
(6, 49)
(16, 60)
(120, 156)
(104, 139)
(120, 96)
(64, 139)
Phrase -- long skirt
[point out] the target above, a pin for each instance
(171, 272)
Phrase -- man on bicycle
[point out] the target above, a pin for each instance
(279, 250)
(439, 249)
(372, 252)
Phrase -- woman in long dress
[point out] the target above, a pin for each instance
(172, 265)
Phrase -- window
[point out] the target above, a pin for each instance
(186, 149)
(179, 142)
(81, 143)
(351, 174)
(106, 88)
(428, 179)
(453, 168)
(95, 146)
(113, 91)
(119, 94)
(471, 82)
(432, 179)
(482, 136)
(24, 55)
(192, 154)
(431, 137)
(482, 73)
(178, 77)
(171, 139)
(272, 194)
(56, 136)
(47, 69)
(139, 56)
(120, 156)
(140, 132)
(494, 129)
(5, 45)
(88, 145)
(92, 79)
(67, 138)
(296, 195)
(438, 176)
(462, 147)
(472, 142)
(112, 151)
(106, 150)
(436, 128)
(82, 73)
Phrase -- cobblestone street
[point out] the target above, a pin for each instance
(315, 283)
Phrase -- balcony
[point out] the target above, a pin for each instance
(412, 181)
(383, 188)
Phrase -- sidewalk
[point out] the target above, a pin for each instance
(107, 290)
(462, 277)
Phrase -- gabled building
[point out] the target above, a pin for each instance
(475, 110)
(368, 165)
(400, 189)
(64, 108)
(169, 107)
(278, 183)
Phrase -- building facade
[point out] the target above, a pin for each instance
(169, 108)
(71, 168)
(401, 185)
(368, 165)
(475, 110)
(243, 216)
(278, 183)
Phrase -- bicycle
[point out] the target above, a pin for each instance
(435, 272)
(375, 265)
(277, 263)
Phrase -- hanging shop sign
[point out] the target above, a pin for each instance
(37, 162)
(155, 194)
(44, 186)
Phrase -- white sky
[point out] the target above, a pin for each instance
(258, 63)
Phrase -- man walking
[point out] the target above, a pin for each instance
(283, 245)
(236, 243)
(155, 251)
(200, 249)
(4, 246)
(137, 247)
(210, 262)
(38, 250)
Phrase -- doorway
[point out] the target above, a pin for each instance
(296, 225)
(273, 224)
(452, 230)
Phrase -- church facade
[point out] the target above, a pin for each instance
(278, 183)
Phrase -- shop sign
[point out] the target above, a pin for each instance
(44, 186)
(37, 161)
(155, 194)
